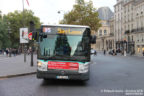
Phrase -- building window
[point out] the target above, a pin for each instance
(137, 38)
(105, 32)
(131, 26)
(100, 32)
(128, 38)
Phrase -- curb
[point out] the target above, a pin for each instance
(17, 75)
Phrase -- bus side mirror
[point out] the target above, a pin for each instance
(93, 39)
(44, 36)
(41, 38)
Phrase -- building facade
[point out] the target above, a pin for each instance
(129, 26)
(105, 34)
(105, 37)
(138, 30)
(118, 25)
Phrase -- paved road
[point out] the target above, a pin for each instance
(108, 73)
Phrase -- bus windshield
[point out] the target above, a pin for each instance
(64, 47)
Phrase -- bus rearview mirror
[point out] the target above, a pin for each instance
(44, 36)
(41, 38)
(93, 39)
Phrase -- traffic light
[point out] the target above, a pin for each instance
(32, 29)
(32, 26)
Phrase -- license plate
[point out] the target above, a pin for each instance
(62, 77)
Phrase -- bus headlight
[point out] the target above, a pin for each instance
(39, 64)
(42, 66)
(83, 68)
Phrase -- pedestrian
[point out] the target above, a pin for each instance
(104, 52)
(143, 52)
(113, 52)
(95, 53)
(7, 51)
(28, 51)
(122, 52)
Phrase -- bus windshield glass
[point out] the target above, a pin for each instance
(65, 45)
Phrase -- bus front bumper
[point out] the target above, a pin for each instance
(66, 75)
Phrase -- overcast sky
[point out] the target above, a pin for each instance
(47, 10)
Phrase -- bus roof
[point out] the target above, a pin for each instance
(64, 25)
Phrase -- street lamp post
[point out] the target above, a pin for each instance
(32, 29)
(9, 32)
(59, 12)
(24, 45)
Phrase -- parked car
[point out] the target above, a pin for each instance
(92, 51)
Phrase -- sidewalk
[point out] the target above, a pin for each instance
(15, 66)
(118, 54)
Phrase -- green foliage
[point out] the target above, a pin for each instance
(83, 13)
(17, 20)
(4, 36)
(0, 15)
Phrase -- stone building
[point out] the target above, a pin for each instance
(118, 25)
(111, 35)
(138, 30)
(105, 37)
(105, 34)
(129, 26)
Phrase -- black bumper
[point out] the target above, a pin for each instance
(72, 75)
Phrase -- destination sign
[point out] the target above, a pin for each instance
(69, 31)
(62, 30)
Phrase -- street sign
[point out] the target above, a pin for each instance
(23, 35)
(30, 36)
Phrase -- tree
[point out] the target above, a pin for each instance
(18, 20)
(0, 15)
(4, 36)
(83, 13)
